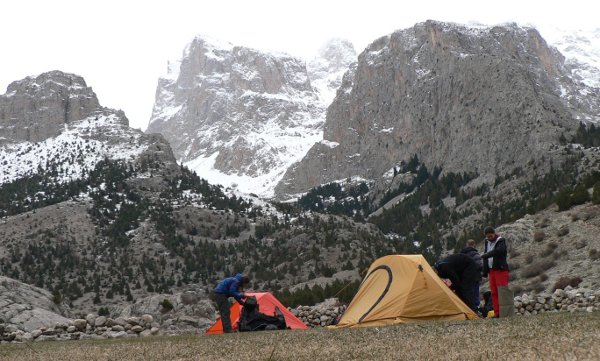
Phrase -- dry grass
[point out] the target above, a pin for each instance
(558, 336)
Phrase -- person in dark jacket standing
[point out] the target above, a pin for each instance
(229, 287)
(462, 271)
(472, 252)
(495, 265)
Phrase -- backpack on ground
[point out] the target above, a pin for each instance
(252, 320)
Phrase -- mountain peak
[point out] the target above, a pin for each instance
(38, 107)
(52, 80)
(240, 116)
(328, 67)
(431, 90)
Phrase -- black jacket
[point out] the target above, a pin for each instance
(460, 269)
(499, 254)
(474, 254)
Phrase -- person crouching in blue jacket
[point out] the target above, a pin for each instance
(229, 287)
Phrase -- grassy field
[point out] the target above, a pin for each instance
(564, 336)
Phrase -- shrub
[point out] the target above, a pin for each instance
(547, 264)
(596, 193)
(532, 271)
(529, 258)
(103, 311)
(545, 222)
(565, 281)
(594, 254)
(549, 249)
(563, 199)
(546, 252)
(166, 305)
(538, 236)
(537, 268)
(563, 231)
(580, 195)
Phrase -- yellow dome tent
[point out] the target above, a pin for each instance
(403, 289)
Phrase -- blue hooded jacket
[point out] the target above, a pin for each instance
(230, 287)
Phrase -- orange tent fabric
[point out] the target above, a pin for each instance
(403, 289)
(266, 304)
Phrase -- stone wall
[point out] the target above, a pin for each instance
(321, 315)
(92, 327)
(570, 299)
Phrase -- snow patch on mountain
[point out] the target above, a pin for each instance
(240, 117)
(581, 49)
(327, 69)
(74, 152)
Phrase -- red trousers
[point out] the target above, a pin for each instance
(497, 279)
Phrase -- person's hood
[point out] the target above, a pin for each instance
(468, 249)
(239, 277)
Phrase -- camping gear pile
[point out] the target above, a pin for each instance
(262, 311)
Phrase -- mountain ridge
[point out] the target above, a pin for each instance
(467, 82)
(240, 116)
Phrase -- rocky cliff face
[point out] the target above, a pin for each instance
(37, 108)
(237, 115)
(55, 120)
(485, 100)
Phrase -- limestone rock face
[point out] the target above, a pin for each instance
(27, 307)
(485, 100)
(242, 113)
(37, 108)
(54, 120)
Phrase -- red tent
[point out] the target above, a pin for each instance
(266, 304)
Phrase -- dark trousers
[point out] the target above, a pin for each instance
(475, 296)
(466, 292)
(222, 302)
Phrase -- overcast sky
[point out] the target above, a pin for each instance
(121, 47)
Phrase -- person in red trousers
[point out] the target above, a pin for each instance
(495, 265)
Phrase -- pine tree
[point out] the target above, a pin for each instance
(563, 199)
(596, 194)
(580, 195)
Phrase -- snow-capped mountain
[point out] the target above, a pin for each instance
(581, 49)
(54, 120)
(463, 98)
(240, 117)
(328, 67)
